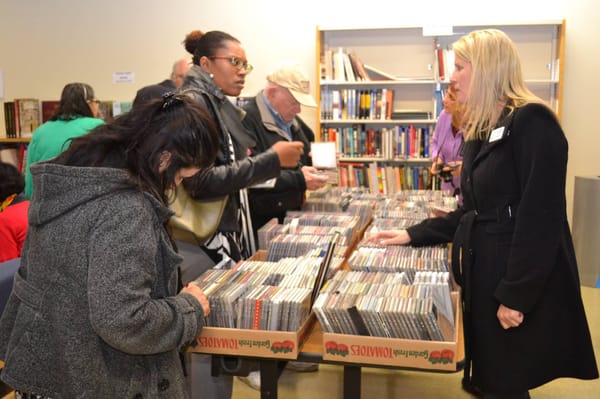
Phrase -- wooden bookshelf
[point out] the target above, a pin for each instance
(19, 145)
(21, 140)
(408, 57)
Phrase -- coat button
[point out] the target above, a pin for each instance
(280, 204)
(163, 385)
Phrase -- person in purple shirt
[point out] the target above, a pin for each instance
(447, 143)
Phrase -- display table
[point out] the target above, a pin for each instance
(311, 350)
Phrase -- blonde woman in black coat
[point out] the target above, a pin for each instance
(524, 320)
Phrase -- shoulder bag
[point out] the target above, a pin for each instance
(195, 221)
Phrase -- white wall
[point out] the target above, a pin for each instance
(45, 44)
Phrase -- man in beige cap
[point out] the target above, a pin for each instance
(293, 79)
(272, 116)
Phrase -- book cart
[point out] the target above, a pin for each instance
(310, 343)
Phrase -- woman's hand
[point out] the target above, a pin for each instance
(457, 168)
(435, 166)
(509, 317)
(197, 293)
(390, 237)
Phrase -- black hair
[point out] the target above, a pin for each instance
(74, 102)
(136, 139)
(11, 180)
(201, 44)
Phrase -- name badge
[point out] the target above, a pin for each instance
(496, 134)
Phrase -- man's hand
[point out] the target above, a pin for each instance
(314, 180)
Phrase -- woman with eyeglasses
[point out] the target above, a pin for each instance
(219, 70)
(76, 115)
(96, 309)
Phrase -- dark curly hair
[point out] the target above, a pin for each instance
(11, 180)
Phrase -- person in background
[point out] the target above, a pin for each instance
(96, 309)
(524, 320)
(13, 212)
(447, 143)
(146, 93)
(219, 70)
(76, 115)
(272, 116)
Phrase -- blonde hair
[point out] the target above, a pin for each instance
(496, 80)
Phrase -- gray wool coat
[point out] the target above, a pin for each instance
(94, 311)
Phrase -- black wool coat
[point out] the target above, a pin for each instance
(517, 251)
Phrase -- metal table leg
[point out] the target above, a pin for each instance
(352, 382)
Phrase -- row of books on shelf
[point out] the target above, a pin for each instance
(388, 143)
(386, 179)
(342, 104)
(344, 65)
(23, 115)
(444, 63)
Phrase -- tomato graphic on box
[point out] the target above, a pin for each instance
(330, 346)
(286, 346)
(447, 356)
(444, 357)
(334, 348)
(343, 349)
(435, 357)
(276, 347)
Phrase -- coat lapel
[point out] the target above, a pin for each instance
(496, 137)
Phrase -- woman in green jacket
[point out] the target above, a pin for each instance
(76, 115)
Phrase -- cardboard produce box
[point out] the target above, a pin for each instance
(253, 343)
(377, 351)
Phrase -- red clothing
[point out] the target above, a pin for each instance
(13, 228)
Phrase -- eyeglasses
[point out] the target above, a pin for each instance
(94, 101)
(236, 62)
